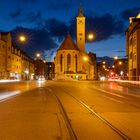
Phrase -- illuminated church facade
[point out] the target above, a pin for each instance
(72, 61)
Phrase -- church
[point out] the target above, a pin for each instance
(72, 61)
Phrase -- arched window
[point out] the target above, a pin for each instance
(75, 63)
(68, 62)
(61, 62)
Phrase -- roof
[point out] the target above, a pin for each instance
(68, 44)
(80, 11)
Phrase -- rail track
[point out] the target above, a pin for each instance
(65, 116)
(92, 112)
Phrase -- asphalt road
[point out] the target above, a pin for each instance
(69, 110)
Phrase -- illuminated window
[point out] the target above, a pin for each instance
(61, 62)
(75, 63)
(68, 61)
(130, 55)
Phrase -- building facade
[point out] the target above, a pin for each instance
(14, 63)
(72, 61)
(50, 70)
(120, 68)
(40, 69)
(5, 55)
(133, 48)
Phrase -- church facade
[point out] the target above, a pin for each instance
(72, 61)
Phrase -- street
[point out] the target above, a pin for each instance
(69, 110)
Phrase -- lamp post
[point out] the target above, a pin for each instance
(38, 55)
(116, 58)
(85, 58)
(22, 38)
(90, 36)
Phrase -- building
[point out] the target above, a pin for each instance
(5, 55)
(133, 48)
(120, 68)
(14, 63)
(93, 59)
(72, 61)
(50, 70)
(40, 68)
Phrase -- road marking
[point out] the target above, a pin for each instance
(110, 92)
(112, 99)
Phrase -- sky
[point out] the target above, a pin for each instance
(45, 23)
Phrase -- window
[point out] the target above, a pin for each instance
(68, 62)
(130, 55)
(61, 62)
(134, 57)
(130, 41)
(75, 63)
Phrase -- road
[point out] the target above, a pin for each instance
(69, 110)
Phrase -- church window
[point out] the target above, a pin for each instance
(76, 63)
(61, 62)
(68, 62)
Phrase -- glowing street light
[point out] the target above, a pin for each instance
(90, 36)
(22, 38)
(121, 73)
(85, 58)
(113, 66)
(120, 62)
(116, 58)
(38, 55)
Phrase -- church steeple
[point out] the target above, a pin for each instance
(80, 11)
(80, 30)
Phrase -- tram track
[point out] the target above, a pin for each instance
(65, 116)
(96, 114)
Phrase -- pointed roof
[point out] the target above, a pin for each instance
(68, 44)
(80, 11)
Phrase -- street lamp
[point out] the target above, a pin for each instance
(22, 38)
(38, 55)
(90, 36)
(120, 62)
(116, 58)
(113, 66)
(104, 62)
(85, 58)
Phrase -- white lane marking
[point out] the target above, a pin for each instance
(113, 99)
(6, 95)
(109, 92)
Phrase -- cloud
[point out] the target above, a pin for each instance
(52, 31)
(103, 27)
(37, 40)
(59, 5)
(16, 14)
(21, 16)
(132, 12)
(120, 51)
(24, 1)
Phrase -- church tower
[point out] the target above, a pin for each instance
(80, 30)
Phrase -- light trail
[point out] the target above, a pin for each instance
(8, 81)
(6, 95)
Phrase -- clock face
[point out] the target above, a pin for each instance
(80, 22)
